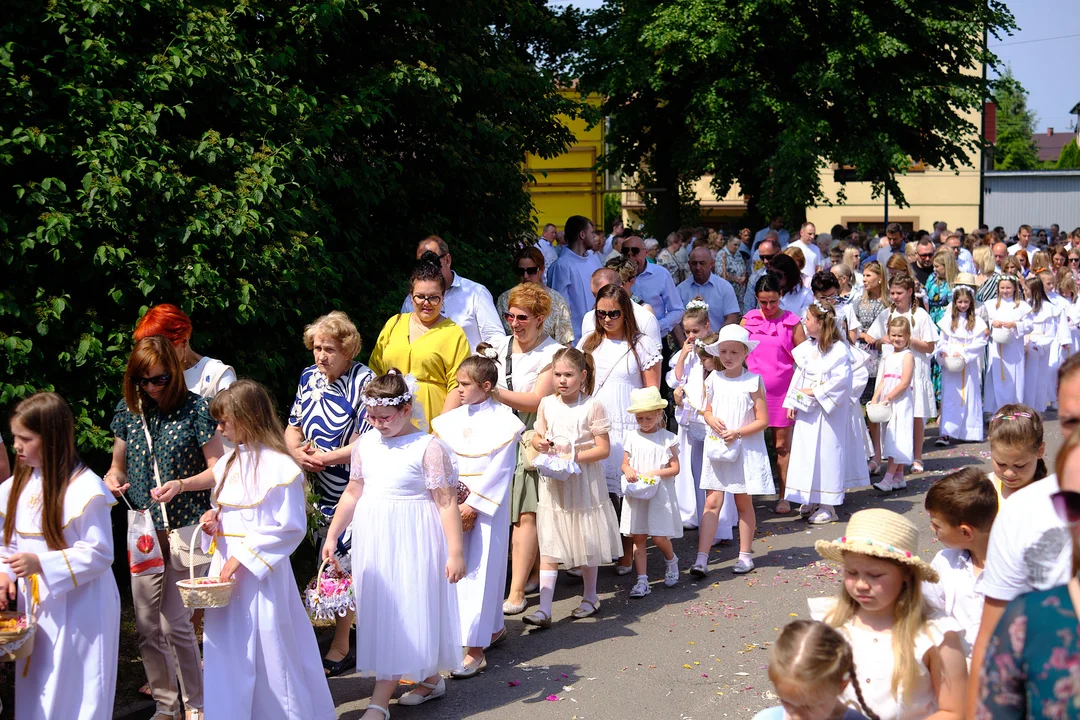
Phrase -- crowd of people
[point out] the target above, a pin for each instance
(619, 393)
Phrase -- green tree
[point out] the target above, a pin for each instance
(770, 92)
(1015, 148)
(1070, 157)
(257, 164)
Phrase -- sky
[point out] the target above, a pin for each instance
(1042, 53)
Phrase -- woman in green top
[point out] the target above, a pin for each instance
(185, 446)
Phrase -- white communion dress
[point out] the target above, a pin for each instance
(659, 515)
(407, 621)
(71, 672)
(922, 328)
(961, 401)
(731, 403)
(898, 435)
(484, 440)
(260, 653)
(1005, 369)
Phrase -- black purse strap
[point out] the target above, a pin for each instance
(510, 365)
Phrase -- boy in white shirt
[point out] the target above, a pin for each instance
(962, 508)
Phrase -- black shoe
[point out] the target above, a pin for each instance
(342, 666)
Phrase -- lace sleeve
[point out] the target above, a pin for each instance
(648, 352)
(356, 468)
(598, 419)
(440, 471)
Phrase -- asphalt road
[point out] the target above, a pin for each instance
(698, 650)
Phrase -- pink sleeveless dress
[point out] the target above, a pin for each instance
(772, 359)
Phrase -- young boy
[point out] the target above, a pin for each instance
(962, 508)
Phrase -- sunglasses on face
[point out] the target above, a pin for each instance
(426, 299)
(156, 381)
(926, 256)
(631, 251)
(526, 271)
(1067, 505)
(767, 258)
(1073, 261)
(610, 314)
(511, 317)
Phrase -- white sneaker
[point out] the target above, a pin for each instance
(641, 588)
(824, 516)
(742, 566)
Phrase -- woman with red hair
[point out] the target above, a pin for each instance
(203, 375)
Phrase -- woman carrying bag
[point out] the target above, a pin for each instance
(165, 444)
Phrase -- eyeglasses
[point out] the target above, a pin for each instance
(1067, 505)
(156, 381)
(631, 251)
(926, 256)
(526, 271)
(426, 299)
(767, 258)
(511, 317)
(610, 314)
(1073, 261)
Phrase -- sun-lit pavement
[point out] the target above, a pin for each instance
(694, 651)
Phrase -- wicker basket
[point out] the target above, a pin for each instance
(323, 607)
(19, 643)
(202, 593)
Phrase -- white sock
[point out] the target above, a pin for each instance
(748, 557)
(673, 563)
(643, 577)
(702, 559)
(588, 575)
(547, 589)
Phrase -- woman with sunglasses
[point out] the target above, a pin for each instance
(164, 448)
(529, 266)
(794, 296)
(424, 343)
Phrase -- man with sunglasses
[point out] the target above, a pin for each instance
(571, 274)
(467, 303)
(1030, 542)
(655, 286)
(769, 248)
(924, 259)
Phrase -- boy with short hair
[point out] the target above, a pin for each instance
(962, 507)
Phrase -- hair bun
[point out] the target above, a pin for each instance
(429, 257)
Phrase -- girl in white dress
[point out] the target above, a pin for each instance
(1066, 286)
(819, 400)
(895, 376)
(880, 608)
(625, 359)
(575, 520)
(921, 345)
(484, 438)
(260, 653)
(407, 548)
(687, 375)
(963, 335)
(58, 538)
(651, 455)
(1042, 339)
(1005, 369)
(737, 414)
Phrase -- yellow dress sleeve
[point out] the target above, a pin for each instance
(378, 361)
(456, 349)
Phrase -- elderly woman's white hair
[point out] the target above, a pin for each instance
(338, 326)
(651, 244)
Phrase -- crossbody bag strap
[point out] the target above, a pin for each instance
(510, 365)
(154, 463)
(612, 369)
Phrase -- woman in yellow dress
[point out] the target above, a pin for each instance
(424, 342)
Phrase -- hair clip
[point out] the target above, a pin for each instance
(821, 306)
(700, 344)
(490, 353)
(1011, 416)
(697, 305)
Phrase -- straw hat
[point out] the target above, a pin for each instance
(883, 534)
(965, 278)
(646, 399)
(732, 333)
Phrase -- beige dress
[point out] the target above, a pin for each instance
(575, 520)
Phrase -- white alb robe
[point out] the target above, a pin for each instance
(71, 672)
(1005, 367)
(821, 441)
(484, 438)
(261, 659)
(961, 401)
(1039, 367)
(860, 376)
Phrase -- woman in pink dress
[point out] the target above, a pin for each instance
(776, 332)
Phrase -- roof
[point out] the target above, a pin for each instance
(1075, 110)
(1050, 146)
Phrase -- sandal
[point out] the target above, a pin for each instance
(580, 612)
(498, 639)
(334, 668)
(873, 467)
(413, 698)
(538, 619)
(782, 508)
(384, 711)
(917, 467)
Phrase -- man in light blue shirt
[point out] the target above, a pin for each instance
(546, 245)
(571, 274)
(776, 226)
(713, 289)
(654, 286)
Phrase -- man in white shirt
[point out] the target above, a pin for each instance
(546, 244)
(646, 321)
(776, 226)
(571, 274)
(713, 289)
(964, 261)
(1030, 546)
(655, 286)
(467, 303)
(811, 253)
(1023, 241)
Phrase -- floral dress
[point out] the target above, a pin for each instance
(939, 295)
(736, 265)
(557, 324)
(1032, 666)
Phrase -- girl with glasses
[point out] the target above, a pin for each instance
(528, 265)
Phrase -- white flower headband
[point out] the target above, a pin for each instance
(697, 305)
(407, 396)
(490, 353)
(822, 307)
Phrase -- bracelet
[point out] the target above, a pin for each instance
(738, 434)
(181, 486)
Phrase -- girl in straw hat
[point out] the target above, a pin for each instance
(737, 414)
(650, 457)
(881, 606)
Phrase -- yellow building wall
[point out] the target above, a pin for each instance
(568, 184)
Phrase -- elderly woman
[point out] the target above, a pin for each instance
(652, 249)
(164, 450)
(524, 363)
(733, 266)
(529, 266)
(327, 416)
(203, 375)
(424, 343)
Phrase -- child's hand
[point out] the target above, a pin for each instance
(468, 517)
(209, 522)
(790, 414)
(328, 551)
(729, 436)
(541, 445)
(24, 564)
(808, 392)
(229, 569)
(679, 394)
(455, 567)
(688, 346)
(166, 492)
(717, 426)
(8, 588)
(631, 477)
